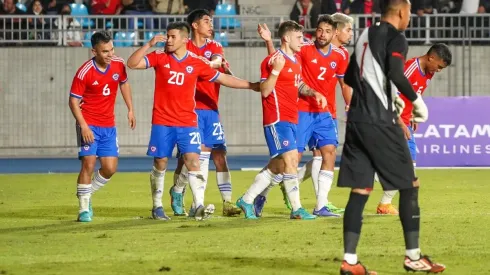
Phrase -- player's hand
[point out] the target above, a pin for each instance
(131, 120)
(264, 32)
(255, 86)
(346, 108)
(321, 100)
(278, 62)
(414, 125)
(226, 66)
(87, 135)
(157, 39)
(420, 111)
(406, 132)
(399, 105)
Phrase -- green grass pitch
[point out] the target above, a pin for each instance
(39, 235)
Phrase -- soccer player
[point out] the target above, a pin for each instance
(322, 64)
(211, 130)
(419, 71)
(174, 120)
(92, 100)
(281, 78)
(374, 142)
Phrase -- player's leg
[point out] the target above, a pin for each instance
(177, 191)
(88, 157)
(306, 121)
(223, 179)
(390, 153)
(189, 144)
(160, 147)
(356, 172)
(261, 199)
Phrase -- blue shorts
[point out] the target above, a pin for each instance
(412, 146)
(316, 130)
(280, 138)
(105, 142)
(211, 130)
(164, 138)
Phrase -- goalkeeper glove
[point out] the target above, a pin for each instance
(420, 111)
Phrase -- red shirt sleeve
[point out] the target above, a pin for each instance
(265, 69)
(342, 67)
(124, 74)
(77, 87)
(217, 50)
(154, 58)
(206, 73)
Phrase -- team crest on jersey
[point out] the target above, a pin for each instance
(427, 82)
(285, 143)
(86, 147)
(207, 54)
(189, 69)
(333, 65)
(153, 148)
(115, 77)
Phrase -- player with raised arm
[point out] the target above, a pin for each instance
(174, 120)
(419, 71)
(375, 142)
(92, 101)
(282, 82)
(322, 64)
(212, 134)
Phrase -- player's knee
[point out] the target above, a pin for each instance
(160, 163)
(88, 165)
(219, 159)
(416, 182)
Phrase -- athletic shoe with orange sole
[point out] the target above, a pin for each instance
(386, 209)
(424, 264)
(357, 269)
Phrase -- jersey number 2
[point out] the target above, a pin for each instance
(106, 91)
(323, 70)
(176, 78)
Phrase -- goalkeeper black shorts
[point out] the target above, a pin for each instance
(370, 148)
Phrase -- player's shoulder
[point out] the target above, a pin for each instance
(86, 67)
(339, 52)
(213, 43)
(410, 61)
(118, 59)
(345, 50)
(194, 58)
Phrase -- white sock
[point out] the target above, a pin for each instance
(84, 192)
(305, 172)
(157, 179)
(292, 190)
(196, 181)
(387, 197)
(261, 182)
(176, 177)
(350, 258)
(325, 180)
(98, 181)
(413, 254)
(275, 181)
(315, 172)
(181, 180)
(223, 179)
(204, 166)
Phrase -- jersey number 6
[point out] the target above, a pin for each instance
(106, 91)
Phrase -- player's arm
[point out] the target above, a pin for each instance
(270, 72)
(305, 90)
(137, 60)
(226, 67)
(76, 94)
(128, 99)
(235, 82)
(216, 61)
(266, 35)
(346, 93)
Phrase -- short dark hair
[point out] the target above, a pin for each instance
(442, 51)
(388, 6)
(196, 15)
(181, 26)
(288, 26)
(100, 37)
(326, 18)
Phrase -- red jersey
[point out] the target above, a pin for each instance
(97, 91)
(282, 103)
(175, 82)
(319, 70)
(419, 80)
(331, 99)
(207, 93)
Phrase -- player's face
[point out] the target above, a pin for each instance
(204, 26)
(176, 39)
(104, 52)
(435, 64)
(324, 34)
(404, 16)
(295, 40)
(344, 35)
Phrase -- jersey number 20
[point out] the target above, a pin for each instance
(176, 78)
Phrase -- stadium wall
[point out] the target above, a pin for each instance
(36, 121)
